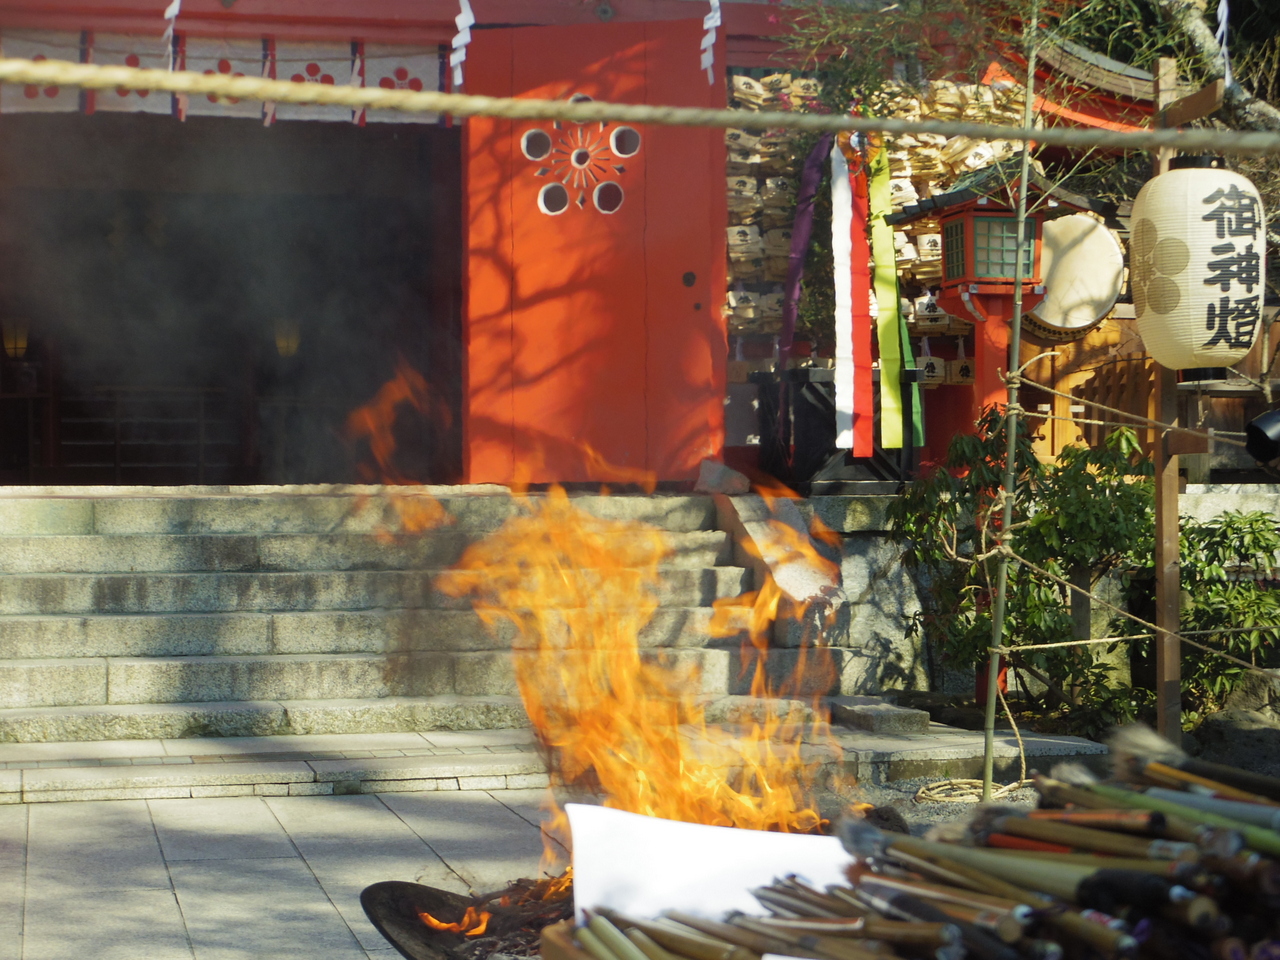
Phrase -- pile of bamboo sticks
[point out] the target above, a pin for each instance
(1177, 861)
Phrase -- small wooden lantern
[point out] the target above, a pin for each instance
(979, 243)
(979, 231)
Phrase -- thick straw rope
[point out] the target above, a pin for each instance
(96, 77)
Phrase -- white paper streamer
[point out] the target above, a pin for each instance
(709, 24)
(464, 21)
(171, 17)
(842, 256)
(357, 80)
(1224, 14)
(268, 73)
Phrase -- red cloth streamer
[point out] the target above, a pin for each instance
(863, 320)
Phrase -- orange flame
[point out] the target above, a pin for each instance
(617, 721)
(578, 591)
(474, 922)
(375, 422)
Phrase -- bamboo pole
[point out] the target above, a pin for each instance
(1009, 483)
(1168, 573)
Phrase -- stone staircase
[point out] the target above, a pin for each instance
(164, 613)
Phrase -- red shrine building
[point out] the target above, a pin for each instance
(202, 290)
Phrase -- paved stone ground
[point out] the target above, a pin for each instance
(143, 856)
(242, 878)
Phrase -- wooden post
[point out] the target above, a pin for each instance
(1168, 572)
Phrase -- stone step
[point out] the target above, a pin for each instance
(316, 509)
(876, 715)
(233, 592)
(165, 721)
(189, 553)
(130, 681)
(260, 634)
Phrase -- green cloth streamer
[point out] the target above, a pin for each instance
(917, 405)
(888, 320)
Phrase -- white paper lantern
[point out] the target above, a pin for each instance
(1197, 262)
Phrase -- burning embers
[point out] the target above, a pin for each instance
(431, 924)
(473, 923)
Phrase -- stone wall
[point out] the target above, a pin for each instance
(876, 647)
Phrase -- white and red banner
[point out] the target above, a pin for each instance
(401, 68)
(851, 253)
(40, 45)
(326, 63)
(388, 66)
(230, 58)
(124, 50)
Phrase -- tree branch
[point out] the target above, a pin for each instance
(1240, 108)
(1052, 690)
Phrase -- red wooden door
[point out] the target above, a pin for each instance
(595, 261)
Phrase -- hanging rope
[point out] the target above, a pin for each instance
(1132, 417)
(100, 77)
(1158, 630)
(970, 791)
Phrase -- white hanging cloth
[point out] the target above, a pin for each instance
(229, 58)
(394, 67)
(40, 45)
(126, 50)
(842, 257)
(323, 63)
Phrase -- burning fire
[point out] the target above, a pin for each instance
(473, 923)
(615, 720)
(579, 590)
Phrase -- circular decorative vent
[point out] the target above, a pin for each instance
(584, 160)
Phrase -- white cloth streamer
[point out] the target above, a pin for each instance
(709, 24)
(464, 21)
(842, 257)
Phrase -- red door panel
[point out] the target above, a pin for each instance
(685, 234)
(584, 343)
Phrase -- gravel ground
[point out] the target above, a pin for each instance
(900, 796)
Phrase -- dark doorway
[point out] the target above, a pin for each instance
(206, 302)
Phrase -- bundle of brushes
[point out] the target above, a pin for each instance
(1174, 859)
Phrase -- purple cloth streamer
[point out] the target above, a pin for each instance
(810, 178)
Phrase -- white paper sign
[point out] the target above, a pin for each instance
(123, 50)
(401, 68)
(40, 45)
(228, 58)
(327, 63)
(641, 866)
